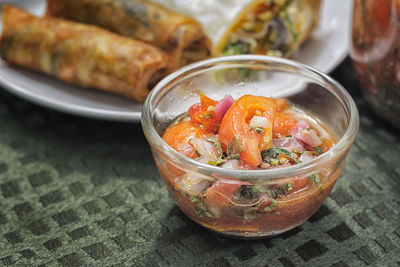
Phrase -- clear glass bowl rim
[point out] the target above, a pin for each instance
(303, 169)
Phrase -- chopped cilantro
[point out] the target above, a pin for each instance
(250, 215)
(216, 163)
(216, 142)
(272, 155)
(218, 145)
(259, 130)
(271, 206)
(201, 210)
(237, 48)
(273, 161)
(315, 178)
(235, 146)
(319, 150)
(286, 188)
(233, 156)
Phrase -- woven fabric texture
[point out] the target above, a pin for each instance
(80, 192)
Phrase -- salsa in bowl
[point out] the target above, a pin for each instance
(241, 158)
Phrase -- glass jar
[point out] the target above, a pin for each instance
(375, 52)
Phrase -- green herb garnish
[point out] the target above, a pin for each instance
(250, 215)
(259, 130)
(215, 142)
(286, 188)
(235, 146)
(315, 178)
(200, 208)
(271, 206)
(237, 48)
(273, 161)
(288, 20)
(272, 155)
(217, 162)
(218, 145)
(319, 150)
(233, 156)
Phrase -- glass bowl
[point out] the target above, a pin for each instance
(187, 180)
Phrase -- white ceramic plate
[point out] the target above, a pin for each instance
(324, 51)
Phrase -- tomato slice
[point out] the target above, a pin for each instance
(234, 131)
(203, 114)
(179, 135)
(299, 183)
(221, 193)
(283, 123)
(281, 104)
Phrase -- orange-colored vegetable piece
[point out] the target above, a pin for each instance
(283, 123)
(179, 135)
(202, 114)
(220, 194)
(281, 104)
(235, 130)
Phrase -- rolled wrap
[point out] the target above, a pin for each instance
(181, 37)
(271, 27)
(81, 54)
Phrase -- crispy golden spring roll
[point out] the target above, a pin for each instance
(81, 54)
(274, 27)
(181, 37)
(268, 27)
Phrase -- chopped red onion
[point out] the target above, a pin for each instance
(195, 183)
(222, 107)
(231, 164)
(315, 140)
(309, 137)
(289, 143)
(203, 159)
(205, 149)
(303, 124)
(306, 156)
(301, 132)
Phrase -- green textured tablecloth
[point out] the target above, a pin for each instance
(75, 191)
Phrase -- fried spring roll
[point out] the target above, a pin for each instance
(81, 54)
(181, 37)
(273, 27)
(267, 27)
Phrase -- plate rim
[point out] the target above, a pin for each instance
(113, 115)
(69, 108)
